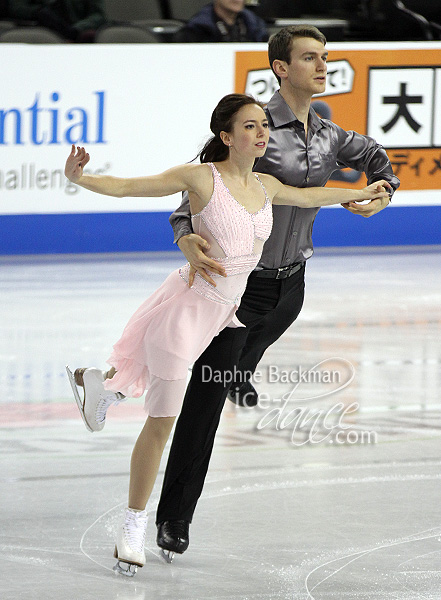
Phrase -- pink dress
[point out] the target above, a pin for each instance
(172, 328)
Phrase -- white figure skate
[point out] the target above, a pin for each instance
(96, 401)
(129, 548)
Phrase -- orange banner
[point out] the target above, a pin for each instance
(393, 96)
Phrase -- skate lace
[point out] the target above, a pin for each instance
(104, 402)
(135, 529)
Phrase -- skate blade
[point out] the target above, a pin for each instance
(77, 397)
(126, 569)
(167, 555)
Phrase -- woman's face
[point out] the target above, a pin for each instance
(250, 132)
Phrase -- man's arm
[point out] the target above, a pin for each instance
(180, 219)
(193, 246)
(363, 153)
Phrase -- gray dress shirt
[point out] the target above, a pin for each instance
(302, 163)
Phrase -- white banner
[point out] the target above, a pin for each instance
(138, 109)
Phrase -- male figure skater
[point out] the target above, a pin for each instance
(303, 150)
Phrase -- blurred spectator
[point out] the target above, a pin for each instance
(75, 20)
(224, 21)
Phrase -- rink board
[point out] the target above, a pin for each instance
(145, 232)
(155, 114)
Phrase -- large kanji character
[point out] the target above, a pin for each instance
(402, 111)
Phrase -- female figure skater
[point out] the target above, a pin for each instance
(231, 209)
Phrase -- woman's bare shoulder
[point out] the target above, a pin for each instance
(271, 184)
(200, 170)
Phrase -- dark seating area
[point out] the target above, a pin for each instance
(397, 20)
(158, 21)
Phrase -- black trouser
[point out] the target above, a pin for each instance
(268, 307)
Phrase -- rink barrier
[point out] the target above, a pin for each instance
(146, 232)
(391, 91)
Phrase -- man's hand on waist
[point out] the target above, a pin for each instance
(193, 247)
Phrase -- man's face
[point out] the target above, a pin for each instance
(306, 72)
(234, 6)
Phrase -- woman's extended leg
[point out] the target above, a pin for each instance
(163, 402)
(146, 457)
(96, 400)
(163, 398)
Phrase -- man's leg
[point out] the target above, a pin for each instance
(273, 325)
(196, 427)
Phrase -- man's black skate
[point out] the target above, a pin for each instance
(243, 394)
(173, 537)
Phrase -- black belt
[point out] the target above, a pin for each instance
(282, 273)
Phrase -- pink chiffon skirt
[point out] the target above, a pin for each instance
(167, 333)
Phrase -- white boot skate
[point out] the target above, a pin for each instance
(96, 400)
(129, 548)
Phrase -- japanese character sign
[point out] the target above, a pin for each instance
(401, 107)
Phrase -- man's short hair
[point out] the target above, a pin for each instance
(280, 44)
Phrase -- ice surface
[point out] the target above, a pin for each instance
(289, 511)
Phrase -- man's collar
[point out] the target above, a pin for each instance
(281, 114)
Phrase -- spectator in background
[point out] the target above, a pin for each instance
(224, 21)
(75, 20)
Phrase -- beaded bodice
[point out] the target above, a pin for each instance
(236, 239)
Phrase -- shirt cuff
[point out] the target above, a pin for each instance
(179, 232)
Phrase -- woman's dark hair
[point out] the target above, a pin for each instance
(222, 119)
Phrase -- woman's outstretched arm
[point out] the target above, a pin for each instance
(319, 196)
(177, 179)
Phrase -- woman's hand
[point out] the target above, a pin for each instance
(378, 189)
(192, 247)
(75, 163)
